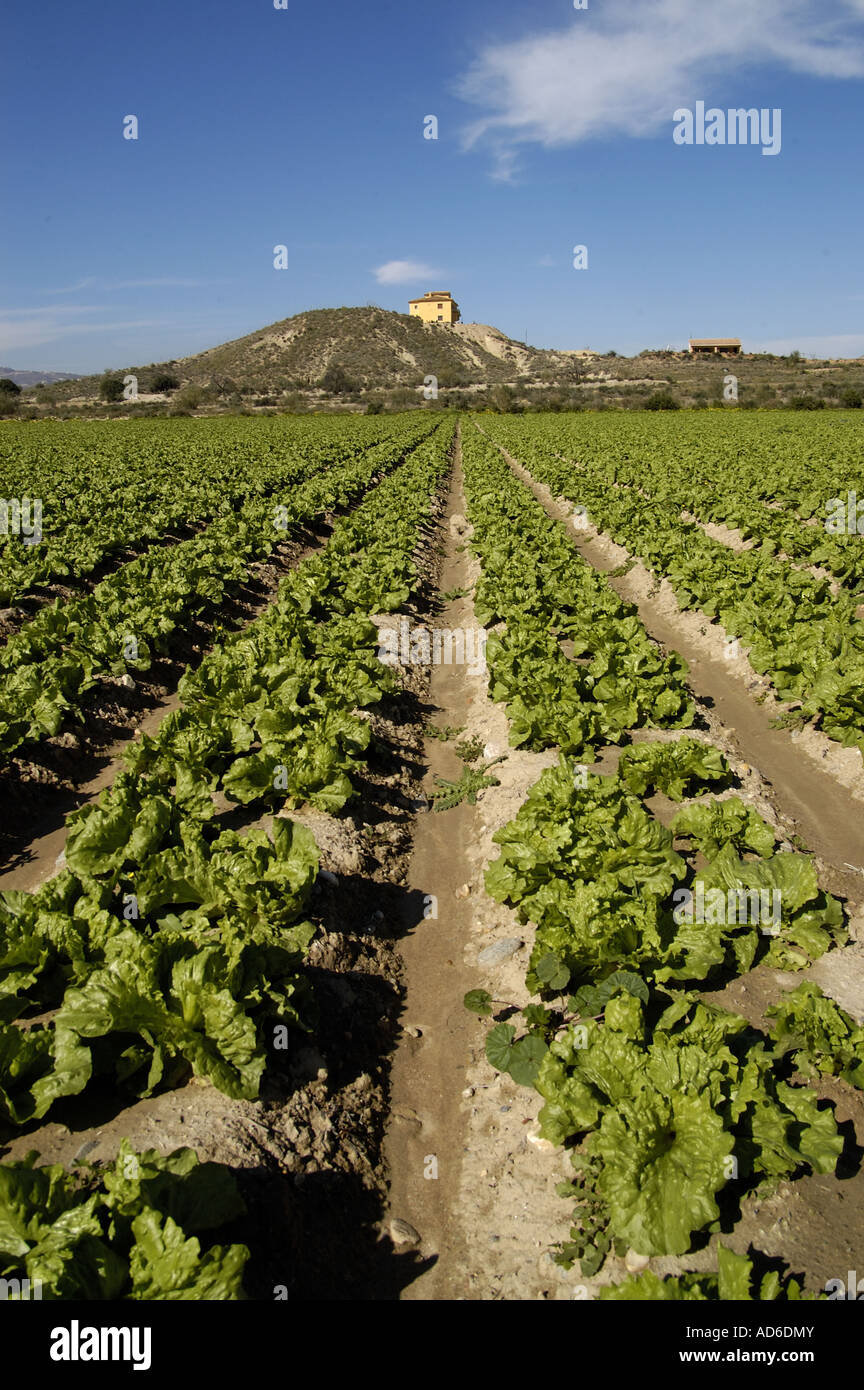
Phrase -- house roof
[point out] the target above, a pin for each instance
(432, 294)
(715, 342)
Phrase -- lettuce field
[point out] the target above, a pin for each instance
(338, 962)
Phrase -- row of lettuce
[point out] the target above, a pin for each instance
(779, 479)
(675, 1109)
(90, 493)
(169, 945)
(807, 639)
(50, 665)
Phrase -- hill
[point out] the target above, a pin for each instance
(373, 348)
(351, 358)
(340, 351)
(36, 378)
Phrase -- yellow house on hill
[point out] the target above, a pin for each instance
(438, 306)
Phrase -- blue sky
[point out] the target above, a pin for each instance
(304, 127)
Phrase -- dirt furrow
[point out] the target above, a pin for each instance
(487, 1220)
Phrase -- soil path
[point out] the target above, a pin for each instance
(424, 1143)
(487, 1220)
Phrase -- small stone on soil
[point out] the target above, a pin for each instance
(499, 951)
(544, 1145)
(402, 1112)
(402, 1233)
(635, 1263)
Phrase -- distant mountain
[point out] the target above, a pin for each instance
(37, 378)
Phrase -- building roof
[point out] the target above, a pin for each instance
(715, 342)
(432, 294)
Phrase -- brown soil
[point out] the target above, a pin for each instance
(423, 1141)
(487, 1220)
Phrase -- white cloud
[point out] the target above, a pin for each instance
(624, 68)
(547, 261)
(405, 272)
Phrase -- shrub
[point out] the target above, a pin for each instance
(189, 398)
(850, 399)
(450, 377)
(164, 381)
(336, 381)
(9, 387)
(111, 387)
(662, 400)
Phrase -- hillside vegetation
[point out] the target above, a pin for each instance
(374, 359)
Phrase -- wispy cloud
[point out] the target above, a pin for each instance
(622, 69)
(88, 283)
(33, 325)
(25, 332)
(96, 282)
(51, 310)
(546, 262)
(505, 162)
(166, 282)
(405, 272)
